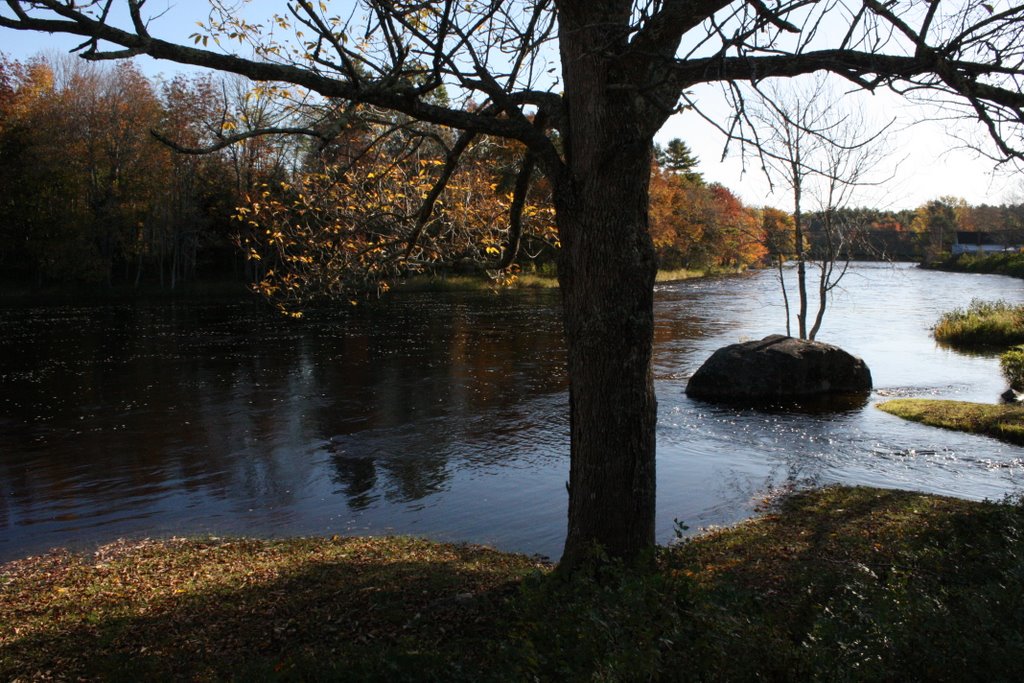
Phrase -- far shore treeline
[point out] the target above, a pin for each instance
(92, 197)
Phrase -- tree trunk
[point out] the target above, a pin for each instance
(138, 269)
(801, 270)
(607, 283)
(822, 303)
(606, 274)
(796, 176)
(785, 296)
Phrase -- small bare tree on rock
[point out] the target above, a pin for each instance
(819, 151)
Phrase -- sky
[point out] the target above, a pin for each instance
(926, 161)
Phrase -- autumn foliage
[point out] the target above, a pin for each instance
(91, 196)
(355, 219)
(698, 225)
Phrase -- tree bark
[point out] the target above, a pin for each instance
(825, 282)
(798, 239)
(785, 296)
(606, 274)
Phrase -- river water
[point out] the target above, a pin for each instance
(445, 415)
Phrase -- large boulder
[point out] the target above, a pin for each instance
(778, 367)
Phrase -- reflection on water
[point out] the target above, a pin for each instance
(444, 415)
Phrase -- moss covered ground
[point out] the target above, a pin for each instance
(1002, 421)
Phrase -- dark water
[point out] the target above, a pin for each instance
(443, 415)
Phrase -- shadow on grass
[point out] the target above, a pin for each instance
(837, 584)
(368, 618)
(867, 584)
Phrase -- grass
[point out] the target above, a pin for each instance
(464, 283)
(420, 283)
(986, 326)
(687, 274)
(473, 283)
(865, 584)
(983, 324)
(834, 584)
(1004, 422)
(217, 609)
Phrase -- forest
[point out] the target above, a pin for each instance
(105, 185)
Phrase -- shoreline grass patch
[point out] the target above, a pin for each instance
(679, 274)
(983, 324)
(1004, 422)
(529, 280)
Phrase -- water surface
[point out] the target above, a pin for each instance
(445, 414)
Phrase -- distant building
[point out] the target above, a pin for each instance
(983, 242)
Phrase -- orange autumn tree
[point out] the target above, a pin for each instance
(383, 202)
(697, 225)
(739, 241)
(677, 204)
(366, 210)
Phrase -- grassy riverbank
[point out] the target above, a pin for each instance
(1003, 263)
(463, 283)
(986, 326)
(1002, 421)
(231, 289)
(983, 324)
(837, 584)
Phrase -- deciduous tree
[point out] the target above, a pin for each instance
(819, 152)
(584, 85)
(935, 223)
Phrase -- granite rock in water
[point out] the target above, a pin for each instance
(778, 367)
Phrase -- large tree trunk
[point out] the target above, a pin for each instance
(606, 273)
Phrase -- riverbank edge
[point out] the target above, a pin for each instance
(527, 280)
(231, 289)
(1000, 421)
(1010, 264)
(867, 583)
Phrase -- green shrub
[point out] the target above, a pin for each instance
(1012, 363)
(982, 324)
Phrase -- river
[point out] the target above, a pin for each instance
(445, 415)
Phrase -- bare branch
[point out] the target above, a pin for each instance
(427, 207)
(228, 140)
